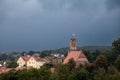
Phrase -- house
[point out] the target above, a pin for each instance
(31, 61)
(36, 62)
(22, 60)
(57, 55)
(77, 55)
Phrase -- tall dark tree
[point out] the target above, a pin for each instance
(100, 74)
(43, 54)
(79, 74)
(11, 64)
(11, 75)
(110, 56)
(62, 71)
(116, 46)
(117, 63)
(101, 62)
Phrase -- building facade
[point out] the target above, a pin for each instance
(31, 61)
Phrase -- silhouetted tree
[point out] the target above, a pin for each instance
(79, 74)
(116, 46)
(71, 64)
(11, 64)
(101, 62)
(100, 74)
(117, 63)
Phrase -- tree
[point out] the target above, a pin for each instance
(23, 74)
(116, 46)
(48, 65)
(100, 74)
(43, 54)
(11, 75)
(91, 55)
(31, 52)
(88, 55)
(79, 74)
(117, 63)
(62, 72)
(101, 62)
(71, 64)
(11, 64)
(110, 56)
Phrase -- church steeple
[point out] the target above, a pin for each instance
(78, 56)
(73, 43)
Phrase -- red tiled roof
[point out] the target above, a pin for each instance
(37, 58)
(75, 55)
(21, 68)
(4, 69)
(26, 57)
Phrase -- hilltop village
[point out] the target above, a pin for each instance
(35, 61)
(75, 65)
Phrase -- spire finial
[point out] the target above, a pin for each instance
(73, 35)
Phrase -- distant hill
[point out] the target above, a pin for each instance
(93, 48)
(88, 48)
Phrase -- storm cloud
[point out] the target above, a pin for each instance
(48, 24)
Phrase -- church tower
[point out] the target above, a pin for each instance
(77, 55)
(73, 43)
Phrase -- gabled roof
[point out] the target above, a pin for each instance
(26, 57)
(75, 55)
(37, 58)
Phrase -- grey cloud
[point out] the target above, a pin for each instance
(45, 24)
(113, 4)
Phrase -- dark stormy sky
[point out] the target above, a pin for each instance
(49, 24)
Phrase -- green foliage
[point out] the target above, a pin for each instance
(115, 76)
(91, 67)
(116, 46)
(43, 54)
(62, 71)
(100, 74)
(101, 62)
(11, 64)
(66, 72)
(117, 63)
(31, 74)
(110, 56)
(8, 76)
(4, 57)
(91, 55)
(71, 64)
(48, 65)
(79, 74)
